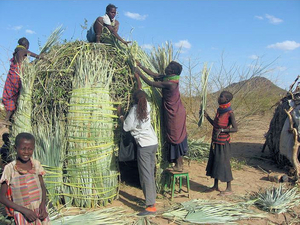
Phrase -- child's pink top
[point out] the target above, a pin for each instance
(26, 188)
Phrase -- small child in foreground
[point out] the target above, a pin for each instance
(24, 177)
(218, 166)
(13, 84)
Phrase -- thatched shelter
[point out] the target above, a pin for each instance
(69, 103)
(282, 138)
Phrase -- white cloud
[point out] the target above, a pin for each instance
(183, 44)
(273, 19)
(259, 17)
(17, 28)
(135, 16)
(147, 46)
(30, 32)
(253, 57)
(286, 45)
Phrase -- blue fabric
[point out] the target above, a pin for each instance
(91, 35)
(177, 150)
(221, 111)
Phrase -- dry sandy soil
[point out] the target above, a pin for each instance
(246, 146)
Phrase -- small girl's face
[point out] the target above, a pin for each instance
(222, 99)
(25, 149)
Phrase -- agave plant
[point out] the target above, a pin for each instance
(277, 199)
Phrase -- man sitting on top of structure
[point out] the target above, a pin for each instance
(109, 21)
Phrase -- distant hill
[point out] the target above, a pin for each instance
(256, 95)
(253, 96)
(257, 83)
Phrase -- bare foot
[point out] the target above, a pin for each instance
(178, 168)
(211, 189)
(225, 193)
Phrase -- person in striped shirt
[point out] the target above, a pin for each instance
(218, 166)
(22, 186)
(13, 83)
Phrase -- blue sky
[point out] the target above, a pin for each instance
(241, 31)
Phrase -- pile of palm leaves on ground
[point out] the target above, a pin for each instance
(114, 215)
(199, 211)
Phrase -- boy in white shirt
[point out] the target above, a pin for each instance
(109, 21)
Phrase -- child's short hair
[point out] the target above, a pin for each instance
(23, 135)
(23, 41)
(176, 67)
(5, 137)
(109, 7)
(228, 95)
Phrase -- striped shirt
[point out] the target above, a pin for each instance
(25, 189)
(221, 121)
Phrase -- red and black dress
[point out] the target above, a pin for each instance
(218, 165)
(12, 87)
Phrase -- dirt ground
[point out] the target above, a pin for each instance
(246, 147)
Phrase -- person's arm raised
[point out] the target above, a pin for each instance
(149, 72)
(29, 53)
(210, 120)
(167, 85)
(138, 80)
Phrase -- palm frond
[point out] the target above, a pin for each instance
(199, 211)
(53, 39)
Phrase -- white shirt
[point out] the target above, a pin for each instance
(142, 131)
(107, 21)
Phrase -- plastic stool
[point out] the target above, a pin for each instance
(179, 175)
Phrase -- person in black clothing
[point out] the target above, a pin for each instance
(4, 151)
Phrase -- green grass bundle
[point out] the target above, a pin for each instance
(204, 82)
(22, 116)
(90, 160)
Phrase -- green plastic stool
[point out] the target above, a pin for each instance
(179, 175)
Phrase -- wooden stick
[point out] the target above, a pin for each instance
(296, 146)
